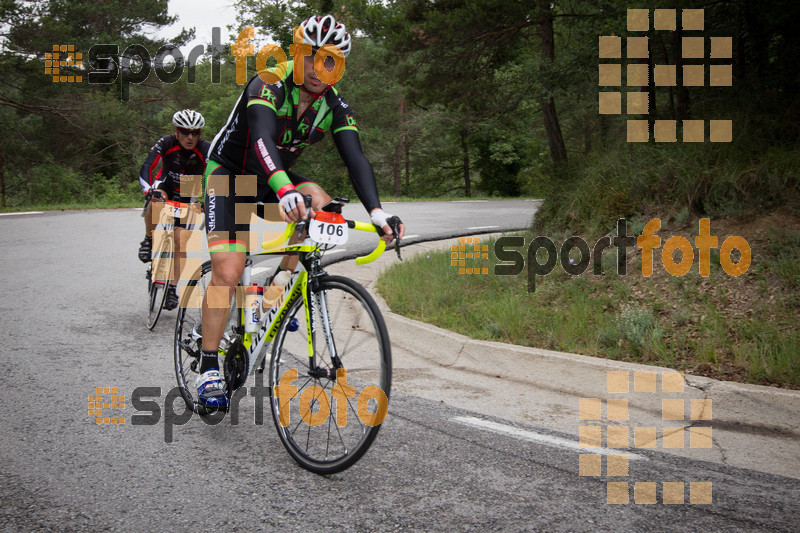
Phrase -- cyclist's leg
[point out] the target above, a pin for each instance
(228, 248)
(149, 224)
(167, 190)
(151, 219)
(180, 236)
(146, 246)
(170, 193)
(227, 244)
(226, 269)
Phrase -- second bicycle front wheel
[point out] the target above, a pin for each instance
(333, 418)
(161, 274)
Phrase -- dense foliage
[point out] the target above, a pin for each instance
(454, 97)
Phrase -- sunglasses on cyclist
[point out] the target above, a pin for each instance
(187, 133)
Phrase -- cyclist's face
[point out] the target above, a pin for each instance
(311, 82)
(187, 138)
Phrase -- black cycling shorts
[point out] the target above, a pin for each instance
(230, 201)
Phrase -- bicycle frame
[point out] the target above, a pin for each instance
(270, 321)
(353, 338)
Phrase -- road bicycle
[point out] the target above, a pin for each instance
(160, 271)
(326, 328)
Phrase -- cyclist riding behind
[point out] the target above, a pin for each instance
(268, 129)
(180, 154)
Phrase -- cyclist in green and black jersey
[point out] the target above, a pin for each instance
(270, 126)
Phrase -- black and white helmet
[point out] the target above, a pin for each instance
(188, 119)
(319, 31)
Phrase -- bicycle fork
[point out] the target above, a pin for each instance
(325, 319)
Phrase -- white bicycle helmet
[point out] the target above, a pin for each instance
(188, 119)
(319, 31)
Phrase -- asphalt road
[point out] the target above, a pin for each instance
(73, 311)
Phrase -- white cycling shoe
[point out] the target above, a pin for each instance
(209, 390)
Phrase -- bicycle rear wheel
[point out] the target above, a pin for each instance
(188, 335)
(161, 274)
(188, 342)
(359, 344)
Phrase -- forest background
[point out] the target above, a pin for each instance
(453, 97)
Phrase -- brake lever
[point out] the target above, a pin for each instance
(301, 226)
(395, 225)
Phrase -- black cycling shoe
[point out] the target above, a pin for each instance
(172, 299)
(145, 249)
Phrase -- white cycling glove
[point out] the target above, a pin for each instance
(379, 217)
(290, 200)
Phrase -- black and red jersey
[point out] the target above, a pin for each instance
(168, 160)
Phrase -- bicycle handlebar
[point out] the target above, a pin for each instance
(374, 254)
(353, 224)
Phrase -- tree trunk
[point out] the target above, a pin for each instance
(651, 87)
(554, 138)
(2, 179)
(398, 152)
(396, 165)
(407, 158)
(587, 141)
(465, 149)
(666, 59)
(682, 104)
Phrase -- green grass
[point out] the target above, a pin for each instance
(688, 323)
(91, 204)
(589, 193)
(785, 248)
(390, 198)
(94, 193)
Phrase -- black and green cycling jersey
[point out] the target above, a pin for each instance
(264, 136)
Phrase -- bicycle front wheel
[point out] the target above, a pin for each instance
(333, 418)
(161, 274)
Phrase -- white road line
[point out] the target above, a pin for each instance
(469, 201)
(21, 213)
(259, 270)
(410, 236)
(537, 437)
(484, 227)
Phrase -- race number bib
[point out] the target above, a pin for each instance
(178, 211)
(328, 228)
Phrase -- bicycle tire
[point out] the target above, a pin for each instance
(187, 346)
(156, 302)
(362, 343)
